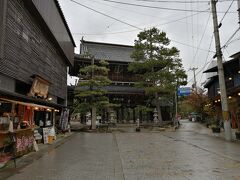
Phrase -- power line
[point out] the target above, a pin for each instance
(236, 39)
(120, 32)
(130, 24)
(106, 15)
(165, 1)
(192, 46)
(200, 42)
(136, 12)
(184, 2)
(226, 11)
(149, 14)
(229, 40)
(157, 7)
(205, 63)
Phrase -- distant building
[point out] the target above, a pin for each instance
(36, 47)
(122, 90)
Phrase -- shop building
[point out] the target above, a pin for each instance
(232, 81)
(36, 49)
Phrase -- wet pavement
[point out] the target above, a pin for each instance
(184, 154)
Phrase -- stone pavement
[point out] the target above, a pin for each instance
(201, 129)
(184, 154)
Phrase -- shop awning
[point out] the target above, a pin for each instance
(29, 100)
(25, 104)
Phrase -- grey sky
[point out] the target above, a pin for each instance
(188, 31)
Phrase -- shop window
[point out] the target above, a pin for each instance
(237, 80)
(5, 110)
(118, 69)
(43, 118)
(229, 83)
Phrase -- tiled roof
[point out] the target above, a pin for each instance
(108, 52)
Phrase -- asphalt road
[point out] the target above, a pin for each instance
(184, 154)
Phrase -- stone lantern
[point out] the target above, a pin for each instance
(155, 116)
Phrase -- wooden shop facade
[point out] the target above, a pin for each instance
(36, 48)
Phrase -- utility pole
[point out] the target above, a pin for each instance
(224, 102)
(194, 75)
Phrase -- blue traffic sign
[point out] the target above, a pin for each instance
(184, 91)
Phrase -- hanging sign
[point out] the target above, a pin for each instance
(39, 87)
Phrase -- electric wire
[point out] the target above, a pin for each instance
(158, 7)
(200, 42)
(132, 11)
(126, 31)
(229, 40)
(206, 60)
(226, 11)
(129, 24)
(234, 40)
(165, 1)
(137, 12)
(123, 22)
(183, 2)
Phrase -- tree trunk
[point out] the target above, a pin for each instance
(158, 109)
(93, 117)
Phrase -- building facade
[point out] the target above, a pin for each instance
(232, 81)
(36, 48)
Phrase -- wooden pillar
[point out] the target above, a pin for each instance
(128, 114)
(117, 112)
(82, 118)
(140, 116)
(150, 115)
(103, 116)
(122, 114)
(134, 115)
(107, 116)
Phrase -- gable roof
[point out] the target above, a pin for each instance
(106, 51)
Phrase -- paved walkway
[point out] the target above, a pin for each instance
(184, 154)
(201, 129)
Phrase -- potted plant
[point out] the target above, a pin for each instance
(215, 126)
(212, 119)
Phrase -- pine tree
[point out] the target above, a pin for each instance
(90, 94)
(158, 65)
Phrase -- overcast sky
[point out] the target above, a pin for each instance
(191, 35)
